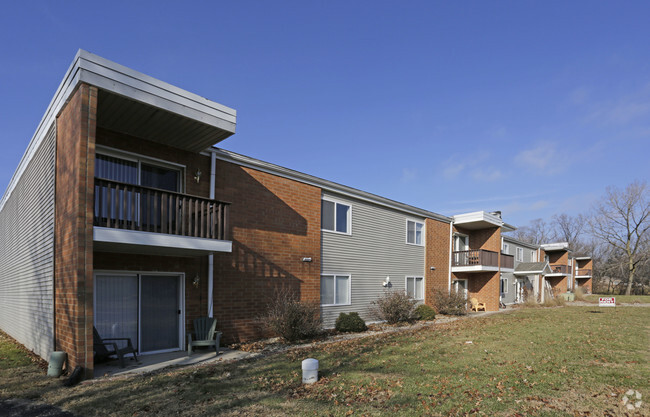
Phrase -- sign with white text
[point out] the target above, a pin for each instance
(607, 302)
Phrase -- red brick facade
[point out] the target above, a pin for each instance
(73, 241)
(437, 256)
(274, 222)
(484, 286)
(585, 283)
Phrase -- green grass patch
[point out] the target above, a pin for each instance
(628, 299)
(558, 361)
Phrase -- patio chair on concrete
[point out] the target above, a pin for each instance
(206, 334)
(105, 348)
(476, 306)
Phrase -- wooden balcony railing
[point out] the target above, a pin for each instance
(560, 269)
(583, 272)
(132, 207)
(476, 257)
(507, 261)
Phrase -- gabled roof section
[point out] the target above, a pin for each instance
(533, 268)
(557, 246)
(519, 242)
(481, 220)
(268, 167)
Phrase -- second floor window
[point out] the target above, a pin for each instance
(520, 255)
(414, 232)
(335, 216)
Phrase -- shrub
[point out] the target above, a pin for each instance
(425, 312)
(394, 307)
(350, 323)
(579, 294)
(452, 303)
(291, 318)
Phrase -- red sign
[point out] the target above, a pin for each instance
(607, 302)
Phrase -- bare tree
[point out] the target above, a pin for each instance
(570, 229)
(536, 233)
(622, 219)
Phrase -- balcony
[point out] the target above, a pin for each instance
(583, 273)
(141, 219)
(476, 260)
(560, 270)
(507, 262)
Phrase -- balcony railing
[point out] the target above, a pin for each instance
(132, 207)
(476, 257)
(507, 261)
(583, 272)
(560, 269)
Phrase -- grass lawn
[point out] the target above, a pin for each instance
(629, 299)
(541, 362)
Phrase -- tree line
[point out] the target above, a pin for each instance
(615, 232)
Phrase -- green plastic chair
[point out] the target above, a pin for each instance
(206, 334)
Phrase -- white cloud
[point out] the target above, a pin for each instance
(475, 165)
(545, 158)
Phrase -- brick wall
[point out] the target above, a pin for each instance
(437, 255)
(558, 284)
(274, 223)
(73, 241)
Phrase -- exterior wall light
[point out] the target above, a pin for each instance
(386, 282)
(197, 175)
(306, 259)
(196, 281)
(433, 268)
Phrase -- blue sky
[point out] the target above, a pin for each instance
(532, 108)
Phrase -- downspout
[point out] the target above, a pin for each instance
(540, 278)
(451, 242)
(213, 163)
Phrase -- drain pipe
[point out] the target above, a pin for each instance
(213, 164)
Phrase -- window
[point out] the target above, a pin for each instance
(533, 256)
(460, 287)
(520, 254)
(415, 287)
(506, 248)
(335, 216)
(414, 232)
(334, 289)
(504, 285)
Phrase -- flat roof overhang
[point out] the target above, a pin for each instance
(136, 104)
(481, 220)
(147, 243)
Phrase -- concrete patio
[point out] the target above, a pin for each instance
(150, 363)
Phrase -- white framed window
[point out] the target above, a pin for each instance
(506, 248)
(414, 232)
(334, 289)
(504, 285)
(336, 216)
(415, 287)
(533, 256)
(520, 254)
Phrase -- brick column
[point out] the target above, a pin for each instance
(73, 240)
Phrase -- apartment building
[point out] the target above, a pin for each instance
(124, 217)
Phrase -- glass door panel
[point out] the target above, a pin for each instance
(116, 307)
(160, 312)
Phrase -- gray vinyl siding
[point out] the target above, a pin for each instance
(376, 249)
(510, 296)
(27, 253)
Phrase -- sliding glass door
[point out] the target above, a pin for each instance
(147, 308)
